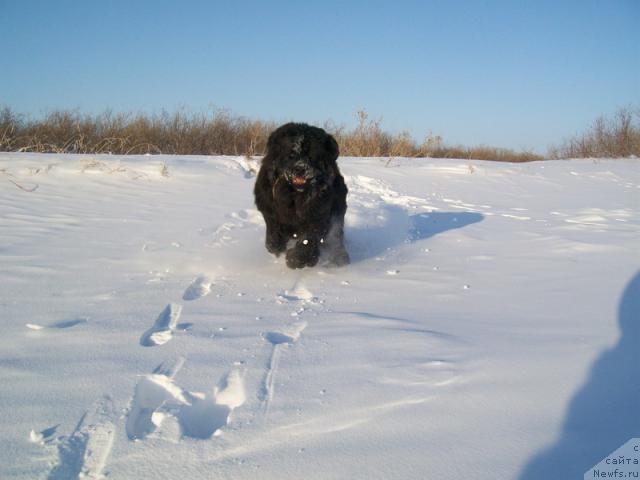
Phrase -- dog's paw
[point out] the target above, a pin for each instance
(302, 255)
(275, 246)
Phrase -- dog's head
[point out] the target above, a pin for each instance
(304, 156)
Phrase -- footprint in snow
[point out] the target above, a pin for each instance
(200, 415)
(278, 340)
(84, 453)
(289, 335)
(162, 330)
(151, 393)
(58, 325)
(209, 412)
(200, 287)
(299, 293)
(44, 436)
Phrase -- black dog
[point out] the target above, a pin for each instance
(302, 196)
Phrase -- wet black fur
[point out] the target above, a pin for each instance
(309, 216)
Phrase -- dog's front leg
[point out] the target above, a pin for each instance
(333, 244)
(306, 251)
(276, 239)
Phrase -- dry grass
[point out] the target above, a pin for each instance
(485, 153)
(369, 140)
(613, 137)
(216, 133)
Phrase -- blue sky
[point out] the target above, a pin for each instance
(521, 74)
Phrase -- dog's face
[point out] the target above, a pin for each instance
(304, 156)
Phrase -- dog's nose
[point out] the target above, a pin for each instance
(300, 169)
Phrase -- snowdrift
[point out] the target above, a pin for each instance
(486, 328)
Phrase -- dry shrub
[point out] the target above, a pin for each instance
(215, 133)
(369, 140)
(617, 136)
(430, 145)
(366, 140)
(485, 153)
(402, 145)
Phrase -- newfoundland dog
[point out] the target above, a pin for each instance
(302, 196)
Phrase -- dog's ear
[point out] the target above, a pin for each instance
(270, 160)
(270, 170)
(272, 141)
(332, 148)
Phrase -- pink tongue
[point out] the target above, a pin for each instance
(299, 181)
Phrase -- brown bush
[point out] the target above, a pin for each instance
(617, 136)
(369, 140)
(216, 133)
(485, 153)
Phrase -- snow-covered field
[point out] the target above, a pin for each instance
(487, 327)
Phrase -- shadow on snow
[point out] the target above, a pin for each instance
(370, 241)
(604, 414)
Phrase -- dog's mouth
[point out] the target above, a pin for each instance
(298, 181)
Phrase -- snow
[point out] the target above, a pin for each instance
(487, 326)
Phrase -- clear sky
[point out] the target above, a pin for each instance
(521, 74)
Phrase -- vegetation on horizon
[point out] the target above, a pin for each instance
(221, 133)
(608, 137)
(218, 133)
